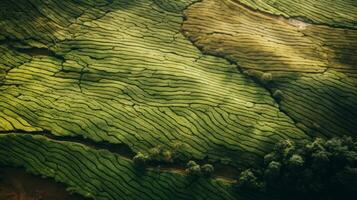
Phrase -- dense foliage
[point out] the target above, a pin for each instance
(321, 169)
(158, 154)
(195, 170)
(161, 155)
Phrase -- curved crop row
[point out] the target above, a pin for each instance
(100, 174)
(309, 69)
(124, 73)
(338, 13)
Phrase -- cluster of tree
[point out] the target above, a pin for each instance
(321, 169)
(162, 155)
(263, 77)
(156, 154)
(195, 170)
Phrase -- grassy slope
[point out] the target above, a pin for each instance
(122, 72)
(129, 76)
(314, 66)
(100, 174)
(339, 13)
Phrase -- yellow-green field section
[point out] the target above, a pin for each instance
(149, 73)
(337, 13)
(99, 174)
(131, 77)
(310, 69)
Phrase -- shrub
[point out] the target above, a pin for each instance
(278, 95)
(248, 181)
(167, 156)
(193, 169)
(160, 154)
(266, 77)
(273, 170)
(271, 157)
(177, 148)
(253, 73)
(140, 160)
(191, 163)
(155, 153)
(296, 162)
(207, 170)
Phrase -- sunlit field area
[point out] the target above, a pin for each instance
(178, 99)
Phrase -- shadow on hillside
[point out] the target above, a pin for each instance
(15, 184)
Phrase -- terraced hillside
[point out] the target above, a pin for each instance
(86, 85)
(336, 13)
(309, 69)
